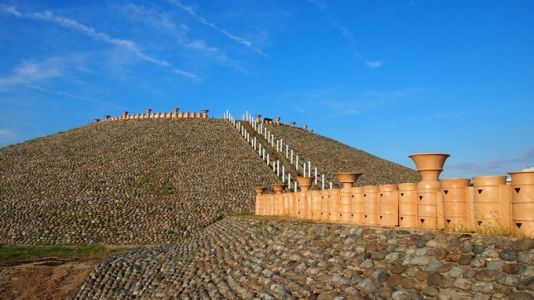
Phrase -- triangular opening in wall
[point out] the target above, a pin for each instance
(402, 194)
(420, 198)
(517, 190)
(402, 218)
(422, 221)
(448, 221)
(366, 216)
(479, 223)
(446, 192)
(381, 195)
(479, 191)
(518, 225)
(381, 217)
(365, 195)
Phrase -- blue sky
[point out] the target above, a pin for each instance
(390, 77)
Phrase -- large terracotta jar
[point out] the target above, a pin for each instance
(523, 201)
(302, 205)
(259, 199)
(430, 205)
(371, 205)
(455, 193)
(357, 209)
(315, 204)
(489, 193)
(408, 205)
(347, 179)
(388, 199)
(324, 205)
(278, 189)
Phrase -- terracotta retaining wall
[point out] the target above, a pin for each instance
(451, 204)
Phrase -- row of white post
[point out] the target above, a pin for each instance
(276, 166)
(290, 154)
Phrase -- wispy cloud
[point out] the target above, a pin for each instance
(6, 133)
(73, 96)
(499, 166)
(48, 16)
(347, 34)
(163, 22)
(375, 64)
(34, 71)
(240, 40)
(334, 104)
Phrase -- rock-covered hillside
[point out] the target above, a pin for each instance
(126, 182)
(331, 156)
(148, 181)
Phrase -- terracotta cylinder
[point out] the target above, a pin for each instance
(347, 179)
(278, 189)
(430, 204)
(324, 205)
(303, 199)
(259, 198)
(315, 204)
(371, 205)
(455, 202)
(408, 205)
(333, 205)
(357, 208)
(523, 202)
(389, 205)
(106, 117)
(488, 193)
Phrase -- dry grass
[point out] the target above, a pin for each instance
(12, 254)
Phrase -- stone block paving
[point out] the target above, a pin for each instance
(254, 258)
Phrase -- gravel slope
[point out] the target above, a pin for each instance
(331, 156)
(126, 182)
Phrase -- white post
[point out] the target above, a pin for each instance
(297, 162)
(322, 179)
(309, 168)
(330, 184)
(274, 166)
(295, 186)
(289, 180)
(304, 169)
(291, 156)
(283, 173)
(268, 160)
(315, 175)
(287, 151)
(278, 168)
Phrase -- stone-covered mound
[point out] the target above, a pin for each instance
(254, 258)
(331, 156)
(126, 182)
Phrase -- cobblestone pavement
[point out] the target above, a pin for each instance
(250, 257)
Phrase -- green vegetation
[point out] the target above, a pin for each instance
(11, 254)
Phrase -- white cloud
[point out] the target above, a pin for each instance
(34, 71)
(6, 133)
(226, 33)
(91, 32)
(374, 64)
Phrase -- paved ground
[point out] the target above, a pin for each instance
(244, 257)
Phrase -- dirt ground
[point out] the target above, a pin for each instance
(44, 279)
